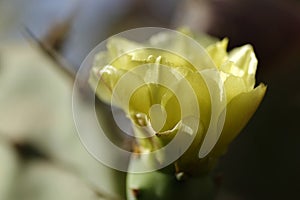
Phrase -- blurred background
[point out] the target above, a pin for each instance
(41, 157)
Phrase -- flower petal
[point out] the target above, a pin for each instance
(245, 64)
(103, 80)
(233, 85)
(118, 46)
(218, 52)
(239, 111)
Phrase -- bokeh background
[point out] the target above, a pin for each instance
(41, 157)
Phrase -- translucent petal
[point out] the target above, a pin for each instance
(118, 46)
(202, 38)
(233, 85)
(245, 64)
(200, 88)
(239, 110)
(140, 101)
(103, 81)
(218, 52)
(172, 108)
(101, 59)
(185, 46)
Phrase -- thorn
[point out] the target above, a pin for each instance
(136, 193)
(181, 176)
(29, 151)
(218, 180)
(176, 167)
(58, 32)
(60, 62)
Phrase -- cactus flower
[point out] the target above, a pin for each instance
(156, 111)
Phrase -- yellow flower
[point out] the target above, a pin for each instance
(156, 111)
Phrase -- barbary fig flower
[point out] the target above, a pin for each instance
(157, 112)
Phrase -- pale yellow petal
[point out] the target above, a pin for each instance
(140, 101)
(234, 86)
(202, 38)
(103, 80)
(218, 52)
(239, 110)
(117, 46)
(245, 64)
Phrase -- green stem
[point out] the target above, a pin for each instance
(166, 185)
